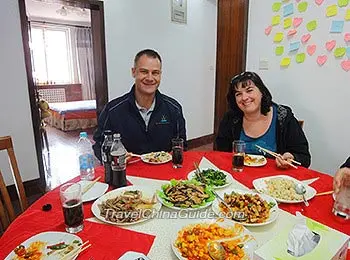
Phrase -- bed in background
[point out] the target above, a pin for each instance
(68, 111)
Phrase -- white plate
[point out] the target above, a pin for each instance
(178, 208)
(229, 178)
(249, 247)
(146, 192)
(145, 157)
(274, 211)
(255, 164)
(261, 187)
(96, 191)
(50, 238)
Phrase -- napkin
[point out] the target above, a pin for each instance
(206, 164)
(301, 240)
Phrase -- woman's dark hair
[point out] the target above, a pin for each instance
(244, 78)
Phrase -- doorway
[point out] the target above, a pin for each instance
(52, 30)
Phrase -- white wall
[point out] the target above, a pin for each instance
(15, 117)
(318, 95)
(188, 53)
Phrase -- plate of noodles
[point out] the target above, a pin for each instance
(192, 240)
(126, 206)
(156, 157)
(281, 187)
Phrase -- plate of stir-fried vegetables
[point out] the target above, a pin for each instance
(215, 178)
(126, 206)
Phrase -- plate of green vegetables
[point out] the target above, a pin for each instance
(212, 177)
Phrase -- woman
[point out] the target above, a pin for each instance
(255, 119)
(342, 176)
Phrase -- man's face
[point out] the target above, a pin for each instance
(147, 73)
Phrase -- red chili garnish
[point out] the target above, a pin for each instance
(56, 245)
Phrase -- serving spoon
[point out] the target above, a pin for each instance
(300, 189)
(216, 249)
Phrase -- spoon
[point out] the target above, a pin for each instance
(216, 250)
(300, 189)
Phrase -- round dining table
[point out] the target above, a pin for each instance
(155, 236)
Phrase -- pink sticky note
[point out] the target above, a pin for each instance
(305, 38)
(321, 60)
(330, 45)
(297, 21)
(345, 65)
(311, 49)
(291, 32)
(347, 37)
(319, 2)
(297, 1)
(268, 30)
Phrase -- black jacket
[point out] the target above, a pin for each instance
(122, 116)
(346, 164)
(289, 135)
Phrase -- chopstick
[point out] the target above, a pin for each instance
(76, 251)
(278, 155)
(324, 193)
(88, 187)
(135, 155)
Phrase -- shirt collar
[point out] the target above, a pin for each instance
(143, 109)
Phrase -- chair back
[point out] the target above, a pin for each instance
(7, 213)
(301, 123)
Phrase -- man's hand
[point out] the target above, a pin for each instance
(341, 177)
(282, 160)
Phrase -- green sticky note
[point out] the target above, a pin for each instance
(343, 3)
(287, 23)
(278, 37)
(347, 15)
(302, 7)
(285, 62)
(300, 57)
(276, 20)
(339, 52)
(276, 6)
(331, 10)
(311, 25)
(279, 50)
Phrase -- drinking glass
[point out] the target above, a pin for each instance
(238, 148)
(177, 148)
(72, 205)
(341, 206)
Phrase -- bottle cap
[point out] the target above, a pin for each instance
(83, 134)
(117, 135)
(107, 132)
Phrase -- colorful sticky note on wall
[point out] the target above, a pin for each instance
(337, 26)
(300, 57)
(347, 15)
(287, 23)
(347, 37)
(278, 37)
(339, 52)
(345, 64)
(343, 3)
(302, 7)
(276, 20)
(348, 52)
(294, 46)
(297, 21)
(312, 25)
(288, 9)
(331, 10)
(285, 62)
(276, 6)
(279, 50)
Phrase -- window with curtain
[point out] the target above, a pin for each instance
(52, 55)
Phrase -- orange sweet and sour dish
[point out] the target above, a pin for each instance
(33, 252)
(192, 241)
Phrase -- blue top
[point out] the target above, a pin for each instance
(267, 140)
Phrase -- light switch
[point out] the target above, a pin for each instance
(263, 64)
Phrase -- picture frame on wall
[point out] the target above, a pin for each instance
(179, 11)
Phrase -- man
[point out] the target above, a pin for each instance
(342, 176)
(146, 119)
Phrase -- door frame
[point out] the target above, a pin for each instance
(100, 68)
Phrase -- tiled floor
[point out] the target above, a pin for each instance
(61, 161)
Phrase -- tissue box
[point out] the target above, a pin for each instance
(332, 245)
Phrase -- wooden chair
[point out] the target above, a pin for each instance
(301, 123)
(7, 213)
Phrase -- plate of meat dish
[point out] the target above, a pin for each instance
(254, 160)
(156, 157)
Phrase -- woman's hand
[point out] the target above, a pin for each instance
(283, 160)
(341, 177)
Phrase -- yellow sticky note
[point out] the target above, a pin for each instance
(302, 7)
(276, 6)
(279, 50)
(347, 15)
(287, 23)
(285, 62)
(343, 3)
(311, 25)
(339, 52)
(278, 37)
(276, 20)
(331, 10)
(300, 57)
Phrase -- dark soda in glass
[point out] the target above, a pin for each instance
(238, 162)
(73, 214)
(177, 155)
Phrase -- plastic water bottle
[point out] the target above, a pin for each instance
(118, 154)
(106, 154)
(86, 157)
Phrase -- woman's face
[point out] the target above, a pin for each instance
(248, 97)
